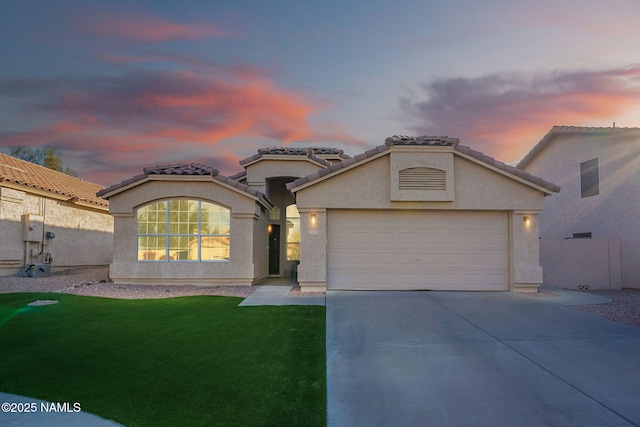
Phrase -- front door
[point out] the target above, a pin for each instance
(274, 249)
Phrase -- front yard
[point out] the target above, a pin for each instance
(184, 361)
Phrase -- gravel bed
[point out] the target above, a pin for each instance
(624, 307)
(94, 282)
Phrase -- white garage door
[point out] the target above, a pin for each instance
(417, 250)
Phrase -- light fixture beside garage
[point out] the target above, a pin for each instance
(527, 220)
(313, 219)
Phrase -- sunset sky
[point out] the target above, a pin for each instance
(120, 85)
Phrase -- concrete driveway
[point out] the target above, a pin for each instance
(476, 359)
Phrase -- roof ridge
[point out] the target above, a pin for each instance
(564, 130)
(191, 168)
(421, 140)
(310, 152)
(402, 140)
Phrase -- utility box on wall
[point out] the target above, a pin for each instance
(39, 270)
(33, 227)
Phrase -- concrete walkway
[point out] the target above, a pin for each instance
(476, 359)
(568, 297)
(279, 295)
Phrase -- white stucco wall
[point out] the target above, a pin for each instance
(368, 186)
(241, 269)
(84, 236)
(612, 214)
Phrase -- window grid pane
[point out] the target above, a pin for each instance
(293, 233)
(197, 231)
(152, 248)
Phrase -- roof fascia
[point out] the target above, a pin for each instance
(541, 145)
(258, 199)
(155, 177)
(185, 178)
(52, 195)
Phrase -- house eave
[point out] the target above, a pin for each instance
(189, 178)
(55, 196)
(158, 177)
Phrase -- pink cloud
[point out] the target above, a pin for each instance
(148, 117)
(143, 28)
(240, 70)
(505, 114)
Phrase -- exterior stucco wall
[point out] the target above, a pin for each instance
(84, 236)
(312, 271)
(369, 187)
(581, 263)
(476, 188)
(290, 166)
(241, 269)
(612, 214)
(260, 247)
(12, 245)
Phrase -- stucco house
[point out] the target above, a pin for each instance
(415, 213)
(590, 233)
(47, 217)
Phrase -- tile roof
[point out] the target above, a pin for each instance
(302, 151)
(569, 130)
(181, 169)
(311, 152)
(192, 169)
(422, 140)
(425, 140)
(239, 175)
(38, 177)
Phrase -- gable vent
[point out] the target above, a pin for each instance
(422, 179)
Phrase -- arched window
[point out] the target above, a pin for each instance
(293, 233)
(183, 230)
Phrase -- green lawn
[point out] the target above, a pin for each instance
(168, 362)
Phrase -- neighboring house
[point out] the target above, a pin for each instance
(51, 218)
(590, 232)
(416, 213)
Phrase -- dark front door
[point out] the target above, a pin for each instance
(274, 249)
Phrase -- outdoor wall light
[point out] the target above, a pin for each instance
(313, 219)
(526, 219)
(269, 228)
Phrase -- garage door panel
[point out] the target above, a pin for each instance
(417, 250)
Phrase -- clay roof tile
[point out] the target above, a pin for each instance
(38, 177)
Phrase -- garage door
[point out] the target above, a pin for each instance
(417, 250)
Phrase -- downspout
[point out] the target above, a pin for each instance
(44, 223)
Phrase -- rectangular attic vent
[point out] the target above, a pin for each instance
(422, 179)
